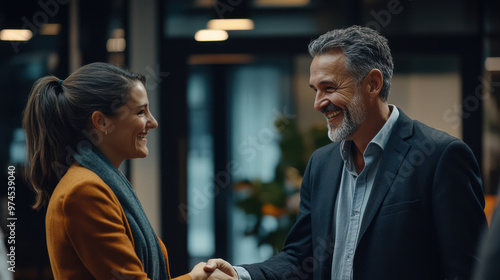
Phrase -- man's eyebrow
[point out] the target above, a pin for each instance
(329, 83)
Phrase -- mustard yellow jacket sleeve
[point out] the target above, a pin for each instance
(88, 235)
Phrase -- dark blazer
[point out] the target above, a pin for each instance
(423, 218)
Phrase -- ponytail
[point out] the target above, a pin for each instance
(47, 135)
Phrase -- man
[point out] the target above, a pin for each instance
(391, 198)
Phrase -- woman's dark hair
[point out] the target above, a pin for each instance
(58, 116)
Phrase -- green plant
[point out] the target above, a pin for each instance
(280, 198)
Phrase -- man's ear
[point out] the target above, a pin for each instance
(100, 121)
(374, 82)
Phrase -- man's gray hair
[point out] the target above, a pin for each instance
(364, 50)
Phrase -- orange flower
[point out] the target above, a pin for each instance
(272, 210)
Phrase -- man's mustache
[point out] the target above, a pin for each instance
(330, 108)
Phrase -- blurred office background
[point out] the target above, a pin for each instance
(228, 83)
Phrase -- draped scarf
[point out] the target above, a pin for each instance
(147, 246)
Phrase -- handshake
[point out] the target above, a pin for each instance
(213, 269)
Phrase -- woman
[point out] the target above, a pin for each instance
(79, 131)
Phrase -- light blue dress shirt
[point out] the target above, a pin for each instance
(351, 201)
(353, 196)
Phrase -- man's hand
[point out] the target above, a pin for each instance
(220, 269)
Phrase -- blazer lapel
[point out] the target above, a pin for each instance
(390, 163)
(328, 194)
(327, 200)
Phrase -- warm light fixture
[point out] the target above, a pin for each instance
(197, 59)
(204, 3)
(210, 35)
(231, 24)
(115, 45)
(492, 64)
(118, 33)
(282, 3)
(50, 29)
(16, 35)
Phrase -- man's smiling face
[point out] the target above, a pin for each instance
(337, 96)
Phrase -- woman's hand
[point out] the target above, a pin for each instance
(220, 269)
(217, 269)
(198, 273)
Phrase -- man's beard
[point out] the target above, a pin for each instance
(354, 116)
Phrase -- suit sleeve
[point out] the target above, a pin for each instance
(458, 204)
(292, 261)
(94, 223)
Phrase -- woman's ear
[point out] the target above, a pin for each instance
(100, 122)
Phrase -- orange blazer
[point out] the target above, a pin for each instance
(88, 235)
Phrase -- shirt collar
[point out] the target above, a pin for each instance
(383, 135)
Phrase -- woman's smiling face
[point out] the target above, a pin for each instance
(126, 138)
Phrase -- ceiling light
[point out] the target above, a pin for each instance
(282, 3)
(204, 3)
(231, 24)
(16, 35)
(492, 64)
(50, 29)
(210, 35)
(196, 59)
(115, 45)
(118, 33)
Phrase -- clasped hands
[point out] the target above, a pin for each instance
(213, 269)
